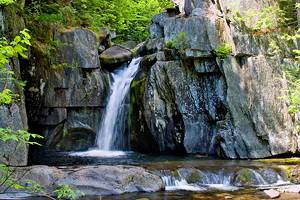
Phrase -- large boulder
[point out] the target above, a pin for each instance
(115, 55)
(93, 180)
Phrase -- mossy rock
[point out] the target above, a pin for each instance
(176, 174)
(245, 177)
(191, 175)
(194, 177)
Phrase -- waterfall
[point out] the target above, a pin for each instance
(110, 137)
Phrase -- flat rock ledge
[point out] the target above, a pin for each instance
(93, 180)
(276, 191)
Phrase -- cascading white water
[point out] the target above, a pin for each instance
(173, 184)
(110, 137)
(215, 180)
(218, 180)
(112, 125)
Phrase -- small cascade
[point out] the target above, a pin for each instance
(191, 179)
(218, 177)
(173, 184)
(259, 178)
(111, 141)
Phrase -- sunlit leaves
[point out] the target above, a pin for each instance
(18, 46)
(65, 191)
(129, 18)
(22, 136)
(6, 2)
(7, 97)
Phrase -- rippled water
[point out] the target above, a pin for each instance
(247, 194)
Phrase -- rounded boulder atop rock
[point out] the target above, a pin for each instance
(115, 55)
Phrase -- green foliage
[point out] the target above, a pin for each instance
(21, 136)
(292, 74)
(289, 8)
(223, 50)
(7, 97)
(267, 19)
(14, 48)
(7, 179)
(179, 42)
(8, 50)
(6, 2)
(67, 192)
(34, 187)
(129, 18)
(63, 191)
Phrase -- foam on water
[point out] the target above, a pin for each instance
(224, 187)
(99, 153)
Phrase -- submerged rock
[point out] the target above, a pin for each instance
(290, 189)
(273, 194)
(246, 177)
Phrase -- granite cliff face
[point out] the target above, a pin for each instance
(66, 95)
(199, 103)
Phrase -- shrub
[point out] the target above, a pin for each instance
(65, 191)
(178, 42)
(223, 50)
